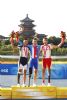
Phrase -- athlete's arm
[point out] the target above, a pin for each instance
(29, 47)
(59, 45)
(20, 43)
(40, 51)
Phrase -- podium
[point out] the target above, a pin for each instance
(38, 92)
(5, 93)
(61, 92)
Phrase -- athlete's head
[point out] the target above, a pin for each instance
(34, 41)
(45, 41)
(25, 42)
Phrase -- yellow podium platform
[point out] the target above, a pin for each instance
(5, 93)
(39, 92)
(61, 92)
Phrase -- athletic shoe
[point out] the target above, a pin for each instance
(43, 84)
(23, 85)
(49, 84)
(18, 85)
(34, 84)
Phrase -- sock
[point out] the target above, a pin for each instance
(43, 81)
(49, 79)
(18, 80)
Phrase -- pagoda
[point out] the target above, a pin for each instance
(26, 27)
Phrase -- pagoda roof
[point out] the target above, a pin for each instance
(26, 25)
(21, 25)
(27, 19)
(28, 33)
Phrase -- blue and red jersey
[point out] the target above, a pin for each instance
(34, 50)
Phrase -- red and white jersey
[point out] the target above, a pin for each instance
(24, 51)
(46, 50)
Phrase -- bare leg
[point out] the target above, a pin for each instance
(30, 73)
(18, 76)
(43, 75)
(24, 77)
(49, 73)
(35, 75)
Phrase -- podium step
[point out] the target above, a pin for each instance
(5, 93)
(38, 92)
(61, 92)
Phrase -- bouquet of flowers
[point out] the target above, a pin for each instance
(17, 36)
(12, 37)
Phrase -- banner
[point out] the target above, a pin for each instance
(58, 71)
(8, 69)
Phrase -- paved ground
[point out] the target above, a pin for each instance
(7, 81)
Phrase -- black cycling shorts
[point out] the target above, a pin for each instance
(23, 60)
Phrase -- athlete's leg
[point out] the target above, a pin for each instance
(19, 73)
(30, 73)
(43, 75)
(43, 71)
(49, 74)
(18, 78)
(24, 77)
(35, 71)
(35, 76)
(24, 74)
(49, 69)
(30, 70)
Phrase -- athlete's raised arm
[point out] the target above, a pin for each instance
(63, 36)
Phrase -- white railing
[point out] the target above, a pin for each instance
(9, 56)
(17, 57)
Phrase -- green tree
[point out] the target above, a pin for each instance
(7, 42)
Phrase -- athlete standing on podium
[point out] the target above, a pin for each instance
(46, 57)
(34, 51)
(23, 61)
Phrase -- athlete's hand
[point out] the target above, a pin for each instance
(63, 36)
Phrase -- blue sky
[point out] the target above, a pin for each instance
(50, 15)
